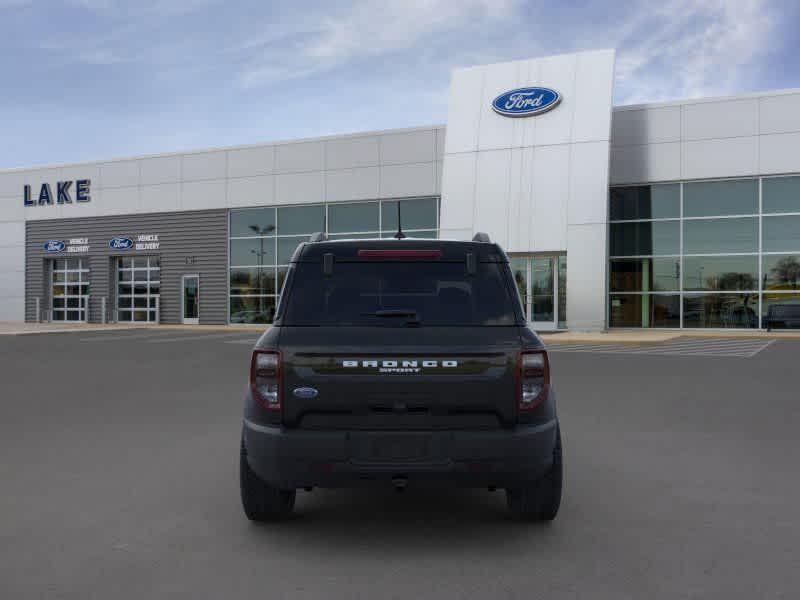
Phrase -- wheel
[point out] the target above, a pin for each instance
(540, 500)
(261, 501)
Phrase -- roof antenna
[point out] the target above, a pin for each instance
(399, 235)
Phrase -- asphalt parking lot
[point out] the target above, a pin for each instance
(118, 479)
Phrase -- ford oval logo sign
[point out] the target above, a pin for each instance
(54, 246)
(305, 392)
(526, 102)
(120, 243)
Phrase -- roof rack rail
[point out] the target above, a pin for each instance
(481, 237)
(319, 236)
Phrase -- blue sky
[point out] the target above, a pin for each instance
(95, 79)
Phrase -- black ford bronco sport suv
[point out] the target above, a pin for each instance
(400, 362)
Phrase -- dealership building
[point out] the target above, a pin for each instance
(671, 215)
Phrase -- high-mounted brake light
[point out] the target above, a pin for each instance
(534, 378)
(416, 254)
(266, 374)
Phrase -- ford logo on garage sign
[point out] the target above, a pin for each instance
(526, 102)
(120, 243)
(54, 246)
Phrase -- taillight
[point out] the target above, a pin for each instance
(265, 378)
(534, 378)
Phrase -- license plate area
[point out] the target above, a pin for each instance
(394, 447)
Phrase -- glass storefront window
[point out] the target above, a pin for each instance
(644, 310)
(730, 311)
(295, 220)
(771, 309)
(287, 246)
(720, 236)
(253, 281)
(253, 221)
(781, 234)
(721, 273)
(562, 291)
(645, 202)
(252, 309)
(645, 239)
(645, 275)
(252, 252)
(780, 194)
(780, 272)
(419, 213)
(718, 198)
(356, 217)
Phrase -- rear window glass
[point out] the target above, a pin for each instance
(400, 294)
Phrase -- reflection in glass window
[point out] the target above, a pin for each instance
(776, 307)
(645, 310)
(253, 251)
(253, 281)
(721, 273)
(287, 246)
(645, 275)
(720, 311)
(644, 239)
(645, 202)
(718, 236)
(357, 216)
(781, 272)
(780, 194)
(419, 213)
(295, 220)
(254, 221)
(562, 291)
(781, 234)
(252, 309)
(718, 198)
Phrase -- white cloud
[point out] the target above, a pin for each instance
(691, 48)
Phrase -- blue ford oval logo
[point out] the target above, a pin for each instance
(54, 246)
(120, 243)
(305, 392)
(525, 102)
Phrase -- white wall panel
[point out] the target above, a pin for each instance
(12, 308)
(729, 157)
(706, 120)
(75, 172)
(408, 147)
(298, 188)
(351, 152)
(199, 195)
(550, 194)
(779, 113)
(301, 156)
(586, 276)
(491, 194)
(40, 213)
(588, 184)
(121, 173)
(12, 258)
(651, 162)
(554, 126)
(204, 165)
(496, 131)
(160, 198)
(779, 153)
(249, 162)
(464, 110)
(520, 208)
(351, 184)
(120, 201)
(594, 89)
(11, 209)
(407, 180)
(458, 178)
(646, 126)
(11, 183)
(251, 191)
(160, 169)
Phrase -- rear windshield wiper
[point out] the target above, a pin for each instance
(411, 314)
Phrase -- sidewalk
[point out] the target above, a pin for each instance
(7, 328)
(654, 336)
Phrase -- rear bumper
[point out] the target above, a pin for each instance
(289, 458)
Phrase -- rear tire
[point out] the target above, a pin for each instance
(260, 500)
(541, 500)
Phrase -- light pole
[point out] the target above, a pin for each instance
(261, 232)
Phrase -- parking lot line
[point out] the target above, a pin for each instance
(738, 348)
(192, 337)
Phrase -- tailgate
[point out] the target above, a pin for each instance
(399, 378)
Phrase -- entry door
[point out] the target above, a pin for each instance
(191, 299)
(541, 288)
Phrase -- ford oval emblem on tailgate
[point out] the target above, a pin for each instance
(305, 392)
